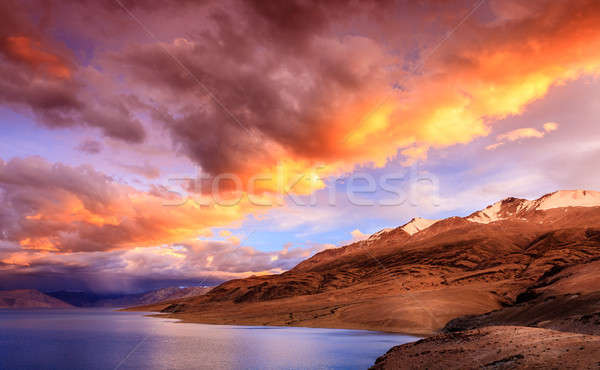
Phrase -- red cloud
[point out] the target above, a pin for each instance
(28, 51)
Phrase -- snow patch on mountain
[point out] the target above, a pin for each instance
(569, 198)
(380, 233)
(417, 224)
(487, 215)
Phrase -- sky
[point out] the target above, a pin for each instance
(146, 144)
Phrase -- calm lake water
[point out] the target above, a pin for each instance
(104, 339)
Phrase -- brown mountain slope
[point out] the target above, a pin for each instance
(505, 347)
(564, 301)
(415, 282)
(28, 298)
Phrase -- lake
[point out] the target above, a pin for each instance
(106, 339)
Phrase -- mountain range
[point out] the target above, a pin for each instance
(30, 298)
(87, 299)
(529, 263)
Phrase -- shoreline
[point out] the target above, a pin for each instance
(193, 318)
(156, 315)
(391, 313)
(153, 315)
(491, 345)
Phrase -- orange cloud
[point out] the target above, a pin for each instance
(330, 105)
(42, 244)
(62, 208)
(18, 259)
(135, 219)
(26, 50)
(224, 233)
(485, 73)
(550, 126)
(358, 235)
(523, 133)
(494, 146)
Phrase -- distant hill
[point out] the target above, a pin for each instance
(29, 298)
(86, 299)
(83, 299)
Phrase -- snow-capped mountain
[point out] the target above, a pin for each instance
(516, 251)
(507, 209)
(520, 208)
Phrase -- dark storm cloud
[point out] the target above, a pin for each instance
(263, 75)
(40, 75)
(239, 85)
(269, 81)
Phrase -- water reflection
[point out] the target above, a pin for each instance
(100, 339)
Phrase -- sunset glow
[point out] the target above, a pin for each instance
(232, 136)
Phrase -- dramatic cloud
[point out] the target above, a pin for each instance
(193, 262)
(307, 84)
(42, 76)
(59, 208)
(237, 99)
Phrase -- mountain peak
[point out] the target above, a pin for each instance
(569, 198)
(516, 207)
(499, 210)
